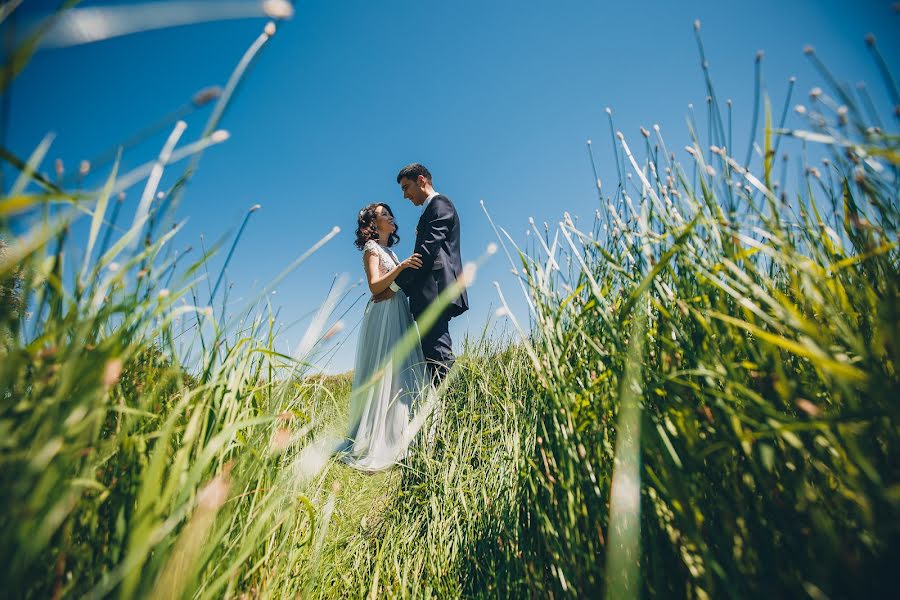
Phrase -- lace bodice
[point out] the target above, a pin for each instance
(387, 260)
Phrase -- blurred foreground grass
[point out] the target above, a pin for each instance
(704, 405)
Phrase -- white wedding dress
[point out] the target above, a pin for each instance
(387, 388)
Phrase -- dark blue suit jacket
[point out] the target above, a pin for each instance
(437, 241)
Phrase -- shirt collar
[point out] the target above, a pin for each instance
(428, 199)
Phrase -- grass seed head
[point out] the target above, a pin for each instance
(467, 277)
(214, 494)
(334, 330)
(278, 9)
(808, 407)
(206, 95)
(112, 370)
(281, 440)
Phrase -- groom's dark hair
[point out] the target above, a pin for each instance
(413, 171)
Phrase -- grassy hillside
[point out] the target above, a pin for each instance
(702, 404)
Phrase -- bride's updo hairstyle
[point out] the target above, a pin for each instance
(366, 229)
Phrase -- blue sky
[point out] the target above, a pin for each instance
(496, 97)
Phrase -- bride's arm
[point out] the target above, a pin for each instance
(378, 282)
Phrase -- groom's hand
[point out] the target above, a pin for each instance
(385, 295)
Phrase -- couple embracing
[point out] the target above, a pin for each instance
(388, 387)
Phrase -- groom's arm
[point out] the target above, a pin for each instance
(403, 282)
(438, 219)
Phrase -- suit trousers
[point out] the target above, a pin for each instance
(438, 349)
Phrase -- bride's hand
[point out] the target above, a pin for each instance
(413, 262)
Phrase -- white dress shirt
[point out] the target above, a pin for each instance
(428, 200)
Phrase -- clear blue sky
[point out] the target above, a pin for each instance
(496, 97)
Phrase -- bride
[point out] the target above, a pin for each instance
(385, 386)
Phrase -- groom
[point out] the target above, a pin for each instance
(437, 242)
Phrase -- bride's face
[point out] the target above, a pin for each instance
(384, 220)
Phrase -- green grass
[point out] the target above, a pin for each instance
(704, 406)
(767, 376)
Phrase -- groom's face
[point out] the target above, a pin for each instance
(414, 190)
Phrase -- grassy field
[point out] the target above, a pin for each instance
(702, 404)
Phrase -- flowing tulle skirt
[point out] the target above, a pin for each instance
(387, 387)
